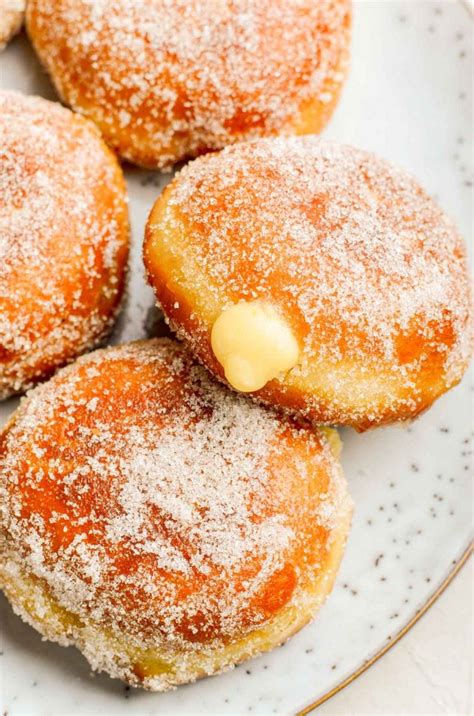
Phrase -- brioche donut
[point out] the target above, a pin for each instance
(317, 277)
(63, 238)
(12, 13)
(167, 80)
(164, 525)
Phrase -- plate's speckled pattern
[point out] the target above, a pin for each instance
(409, 99)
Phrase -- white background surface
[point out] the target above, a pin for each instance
(428, 672)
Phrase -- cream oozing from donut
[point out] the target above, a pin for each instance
(369, 272)
(253, 344)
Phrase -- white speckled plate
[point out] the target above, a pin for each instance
(409, 99)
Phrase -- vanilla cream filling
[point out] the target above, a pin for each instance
(254, 344)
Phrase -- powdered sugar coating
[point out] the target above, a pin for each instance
(367, 270)
(63, 238)
(166, 79)
(161, 510)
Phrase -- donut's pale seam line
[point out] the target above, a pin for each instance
(396, 638)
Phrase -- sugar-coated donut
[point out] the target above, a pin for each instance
(165, 80)
(63, 238)
(166, 526)
(316, 276)
(12, 13)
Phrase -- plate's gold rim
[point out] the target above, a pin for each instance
(396, 638)
(469, 7)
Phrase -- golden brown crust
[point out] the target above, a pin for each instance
(369, 273)
(165, 81)
(166, 526)
(63, 240)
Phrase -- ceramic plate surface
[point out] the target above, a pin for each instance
(408, 98)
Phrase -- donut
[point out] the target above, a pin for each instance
(12, 13)
(169, 80)
(314, 276)
(164, 525)
(63, 238)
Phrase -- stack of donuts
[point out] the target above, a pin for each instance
(174, 506)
